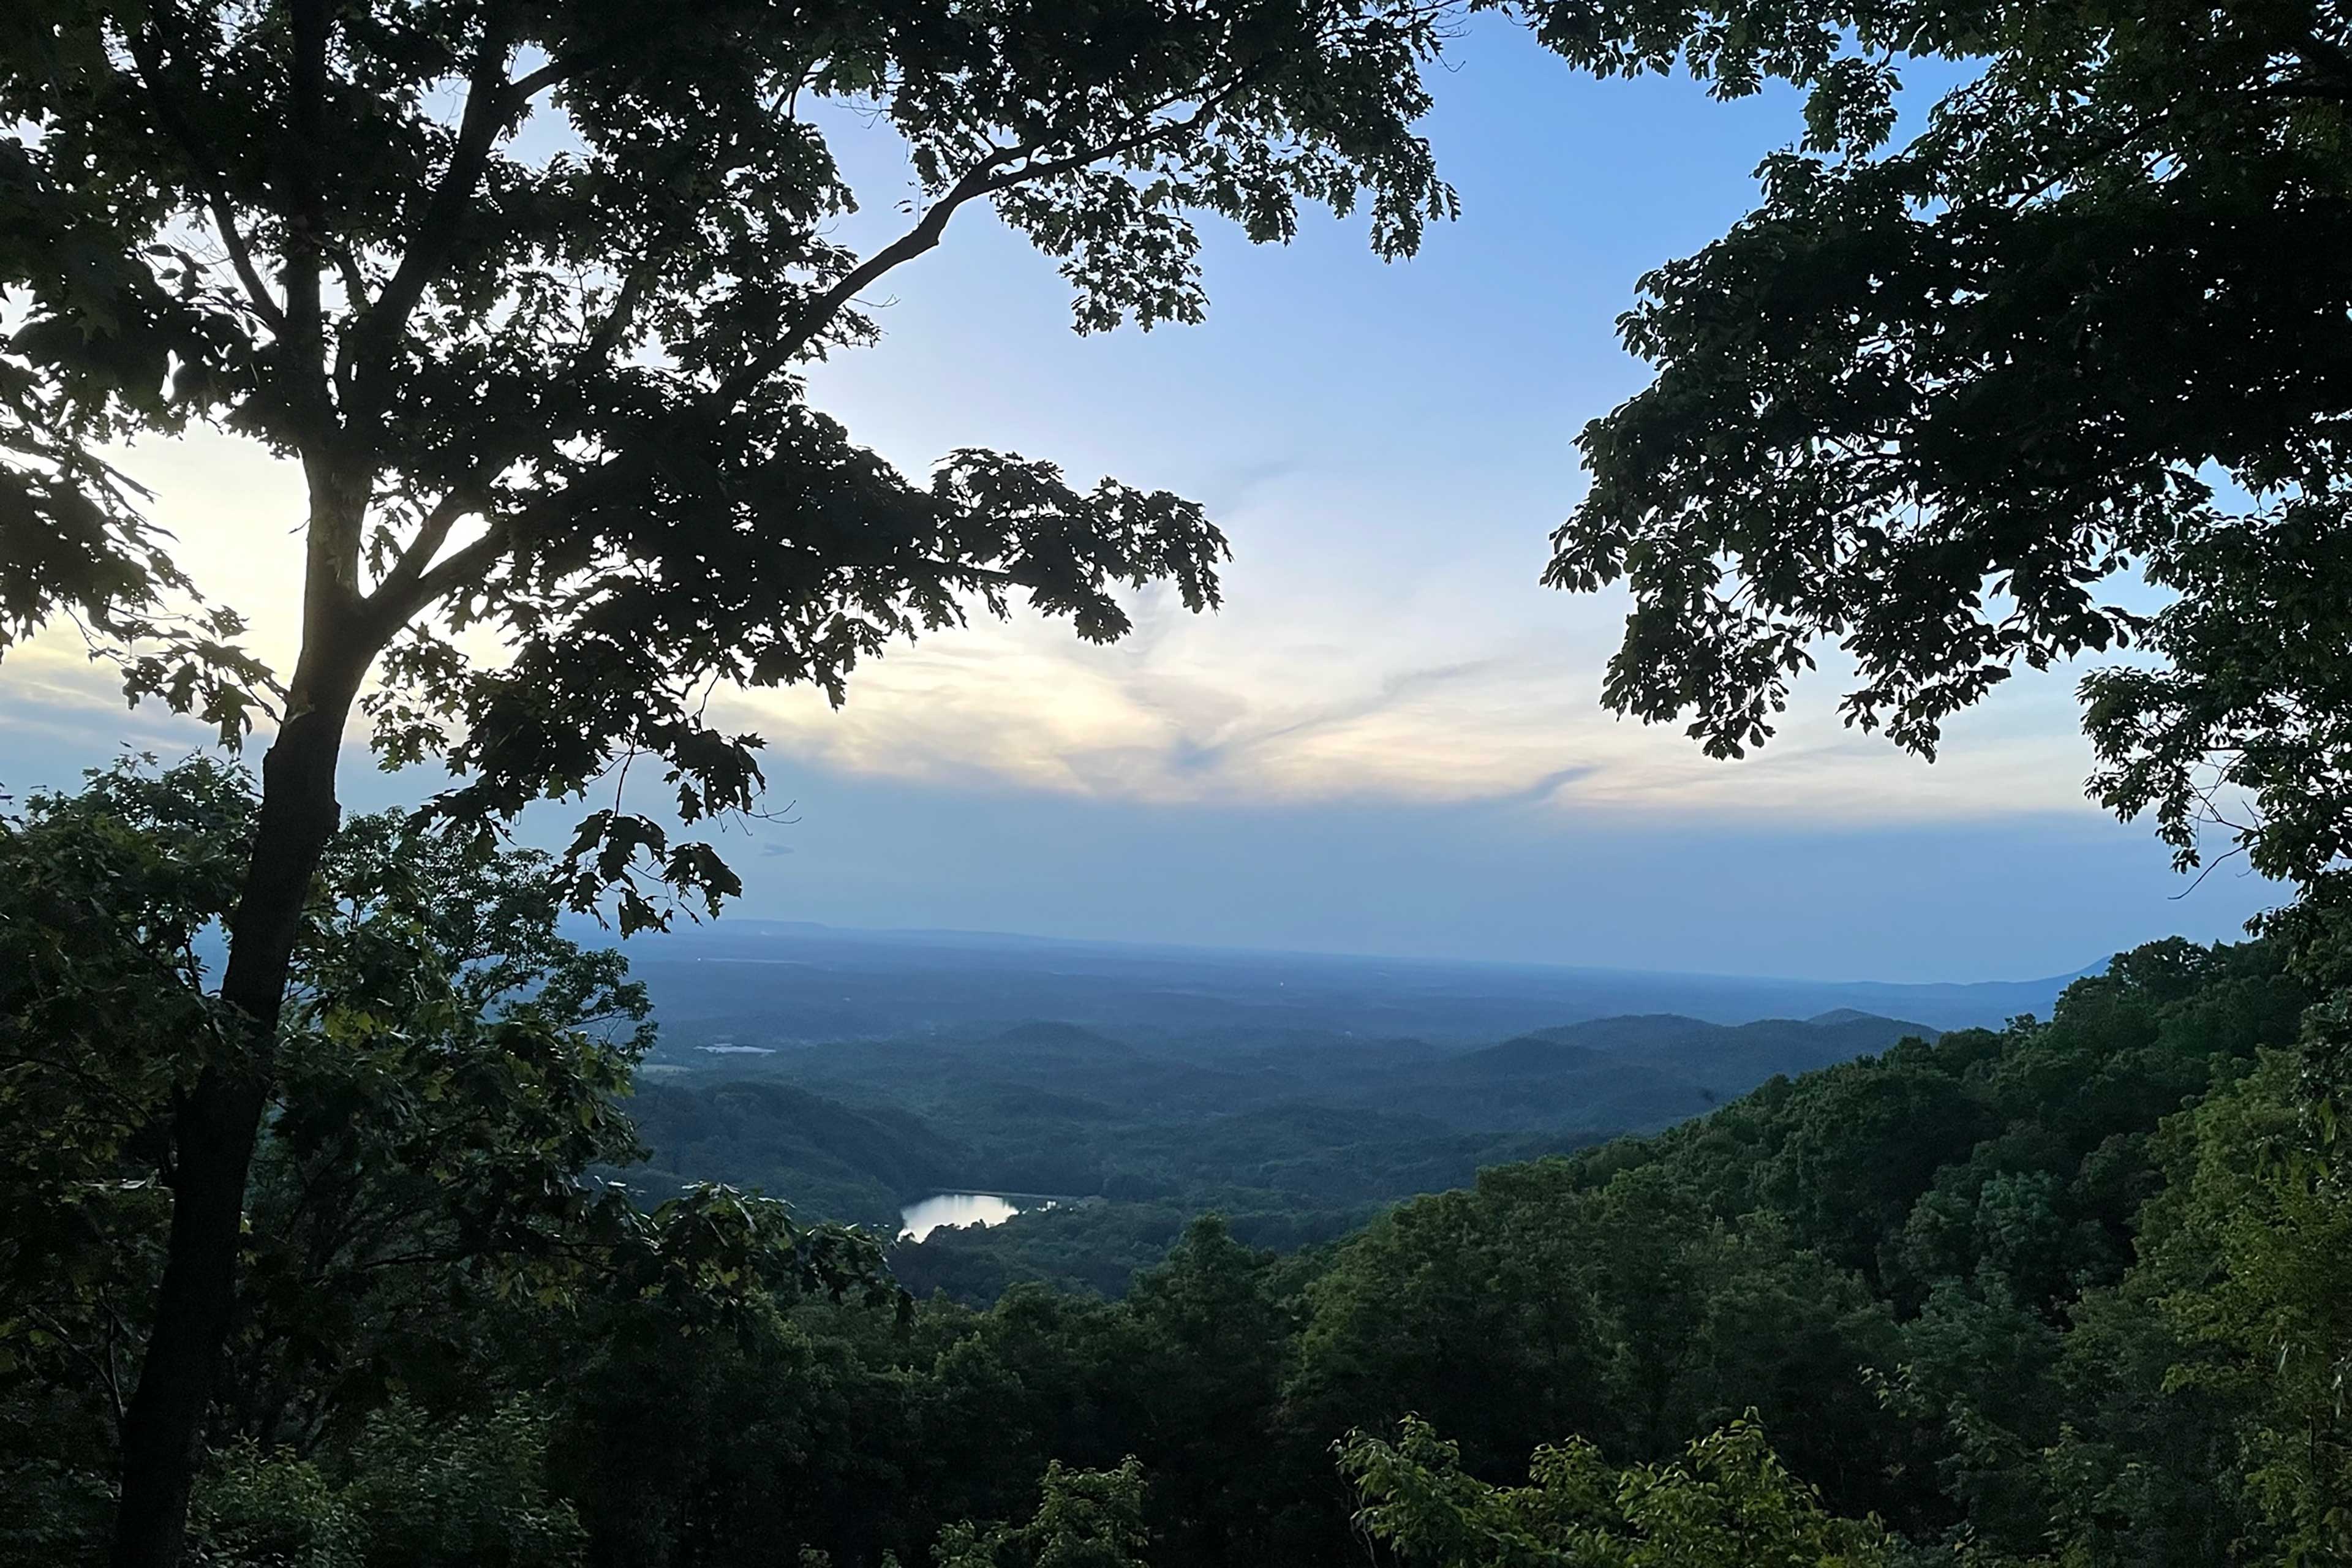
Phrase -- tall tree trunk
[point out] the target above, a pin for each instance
(217, 1121)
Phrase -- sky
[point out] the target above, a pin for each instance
(1389, 738)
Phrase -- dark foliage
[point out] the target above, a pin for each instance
(2074, 1288)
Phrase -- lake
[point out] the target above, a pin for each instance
(917, 1220)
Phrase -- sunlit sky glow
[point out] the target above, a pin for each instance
(1389, 738)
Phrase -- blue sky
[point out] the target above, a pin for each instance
(1389, 739)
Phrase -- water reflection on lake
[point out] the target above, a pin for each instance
(916, 1221)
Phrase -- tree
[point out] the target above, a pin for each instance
(1868, 1141)
(102, 897)
(1928, 398)
(448, 1068)
(2245, 1263)
(1200, 1371)
(1620, 1311)
(1725, 1503)
(558, 396)
(1086, 1518)
(420, 1494)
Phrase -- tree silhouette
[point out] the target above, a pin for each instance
(556, 394)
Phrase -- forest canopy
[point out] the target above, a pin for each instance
(2070, 1291)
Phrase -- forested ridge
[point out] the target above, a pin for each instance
(2068, 1291)
(1294, 1135)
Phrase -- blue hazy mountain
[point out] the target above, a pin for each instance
(762, 983)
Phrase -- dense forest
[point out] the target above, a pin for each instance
(2070, 1291)
(1293, 1136)
(327, 1238)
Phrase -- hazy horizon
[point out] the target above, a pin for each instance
(982, 938)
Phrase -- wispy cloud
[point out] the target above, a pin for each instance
(60, 713)
(1193, 722)
(1310, 686)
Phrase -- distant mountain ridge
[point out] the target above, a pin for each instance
(1635, 1071)
(1731, 1060)
(1288, 1118)
(769, 983)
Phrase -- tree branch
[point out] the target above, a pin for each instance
(355, 298)
(555, 73)
(924, 237)
(624, 310)
(150, 61)
(986, 177)
(491, 102)
(431, 535)
(305, 315)
(468, 564)
(2329, 60)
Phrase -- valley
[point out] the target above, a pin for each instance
(1201, 1086)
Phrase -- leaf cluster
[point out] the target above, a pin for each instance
(530, 290)
(1930, 401)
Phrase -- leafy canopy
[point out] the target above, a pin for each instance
(450, 1073)
(530, 290)
(1085, 1518)
(1929, 398)
(1727, 1503)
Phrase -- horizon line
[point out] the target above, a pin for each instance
(720, 924)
